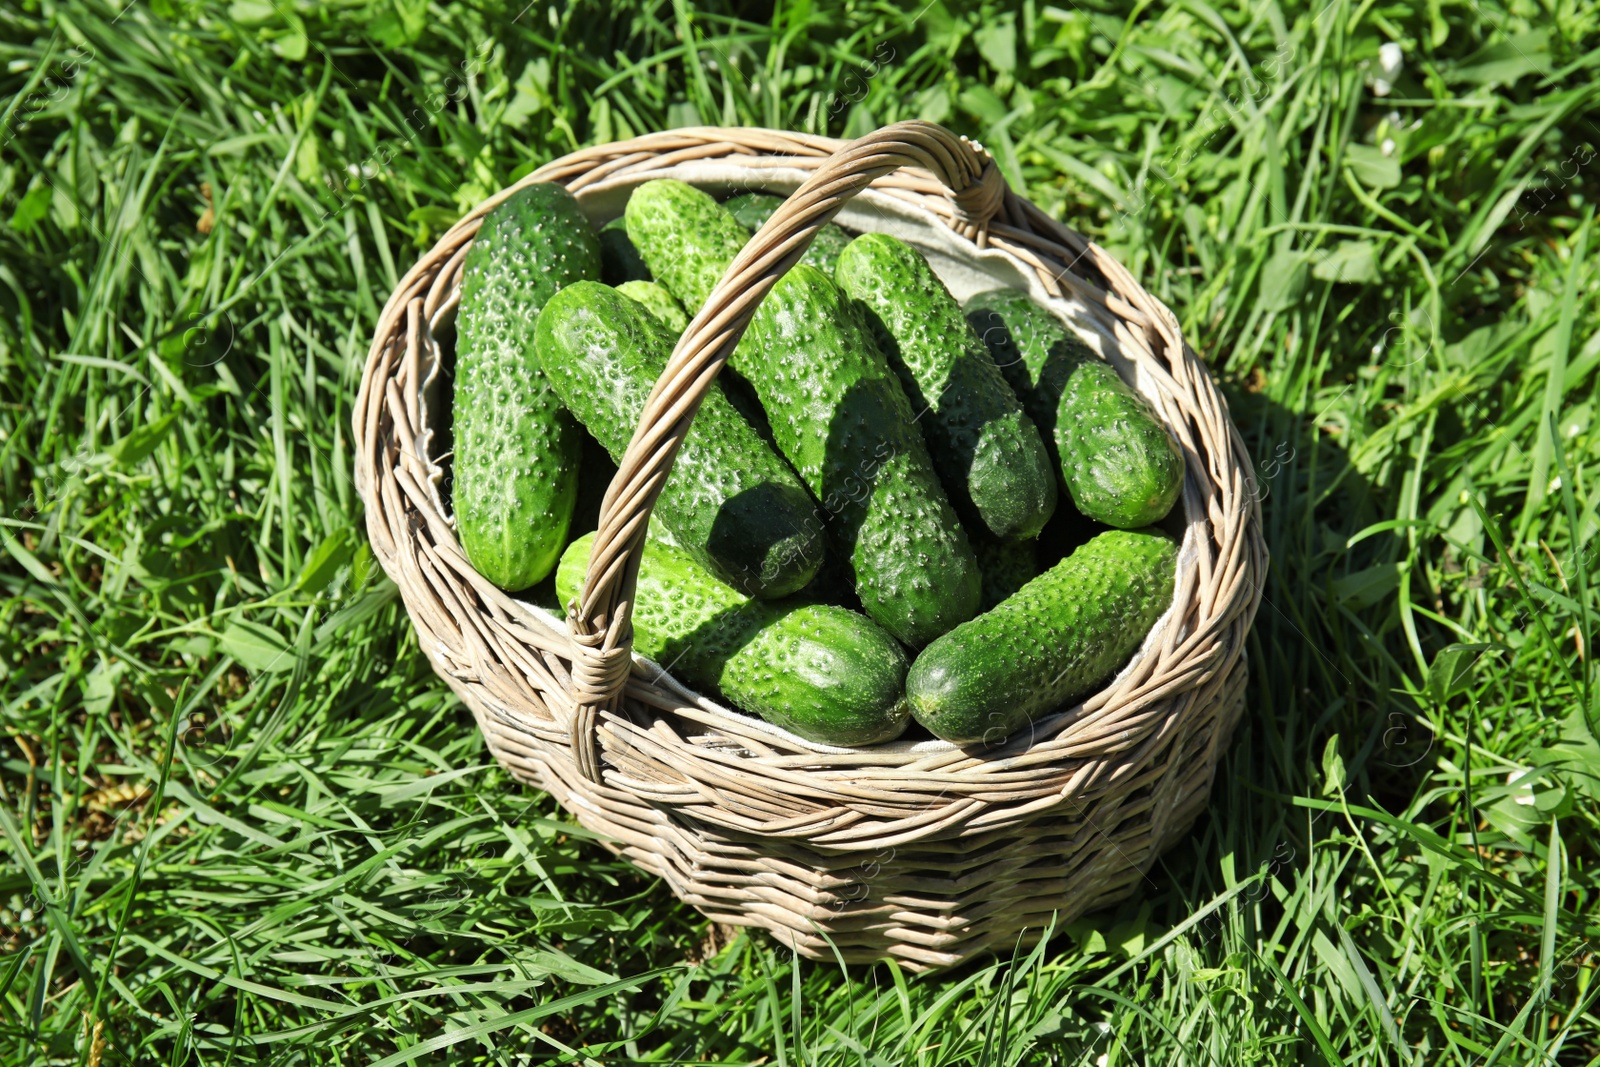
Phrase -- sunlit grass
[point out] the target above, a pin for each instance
(243, 821)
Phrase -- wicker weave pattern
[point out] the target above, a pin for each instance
(929, 854)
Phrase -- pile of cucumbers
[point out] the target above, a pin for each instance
(868, 520)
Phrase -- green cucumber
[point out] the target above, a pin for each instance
(685, 237)
(1033, 349)
(659, 303)
(1121, 465)
(838, 414)
(818, 671)
(619, 260)
(754, 209)
(729, 500)
(986, 449)
(515, 465)
(1118, 462)
(1050, 643)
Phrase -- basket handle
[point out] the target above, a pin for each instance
(598, 618)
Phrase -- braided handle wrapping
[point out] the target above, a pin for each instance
(598, 618)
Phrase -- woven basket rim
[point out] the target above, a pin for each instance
(1212, 608)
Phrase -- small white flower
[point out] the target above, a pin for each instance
(1387, 147)
(1391, 60)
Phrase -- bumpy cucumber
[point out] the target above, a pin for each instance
(987, 450)
(754, 209)
(515, 468)
(1053, 641)
(729, 500)
(658, 302)
(619, 260)
(816, 670)
(685, 237)
(1033, 350)
(838, 414)
(1121, 465)
(1118, 462)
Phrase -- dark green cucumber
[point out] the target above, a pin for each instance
(1118, 462)
(818, 671)
(515, 465)
(754, 209)
(729, 500)
(1006, 566)
(837, 412)
(987, 451)
(660, 303)
(1033, 349)
(1053, 641)
(685, 237)
(619, 260)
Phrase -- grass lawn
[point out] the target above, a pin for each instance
(242, 821)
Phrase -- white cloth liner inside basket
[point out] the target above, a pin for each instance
(965, 271)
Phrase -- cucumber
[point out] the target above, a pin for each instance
(685, 237)
(1121, 465)
(818, 671)
(619, 260)
(1050, 643)
(729, 500)
(754, 209)
(665, 308)
(837, 413)
(987, 451)
(515, 466)
(1033, 350)
(1005, 566)
(1117, 461)
(659, 303)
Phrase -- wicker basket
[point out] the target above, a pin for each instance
(917, 850)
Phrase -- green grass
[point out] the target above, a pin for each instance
(244, 824)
